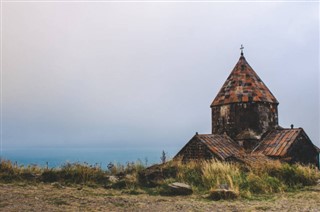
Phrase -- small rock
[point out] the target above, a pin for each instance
(113, 179)
(57, 185)
(218, 194)
(180, 185)
(224, 186)
(180, 189)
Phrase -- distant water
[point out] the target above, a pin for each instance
(101, 156)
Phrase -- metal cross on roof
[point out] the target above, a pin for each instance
(241, 48)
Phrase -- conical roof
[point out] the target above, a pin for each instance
(243, 85)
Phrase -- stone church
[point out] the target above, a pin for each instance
(245, 125)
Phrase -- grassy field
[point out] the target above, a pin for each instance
(260, 186)
(47, 197)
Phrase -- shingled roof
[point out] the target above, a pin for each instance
(277, 142)
(221, 145)
(249, 158)
(243, 85)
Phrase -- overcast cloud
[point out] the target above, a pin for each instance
(145, 74)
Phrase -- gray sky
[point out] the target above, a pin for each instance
(144, 74)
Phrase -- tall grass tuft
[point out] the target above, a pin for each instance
(217, 174)
(205, 175)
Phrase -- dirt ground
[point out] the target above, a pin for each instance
(48, 197)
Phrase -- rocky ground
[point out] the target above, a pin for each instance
(54, 197)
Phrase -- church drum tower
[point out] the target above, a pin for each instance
(244, 108)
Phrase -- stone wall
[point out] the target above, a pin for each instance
(303, 151)
(243, 121)
(194, 150)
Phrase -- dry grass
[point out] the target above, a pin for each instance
(69, 173)
(45, 197)
(256, 178)
(216, 174)
(203, 176)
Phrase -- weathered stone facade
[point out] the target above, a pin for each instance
(209, 146)
(244, 122)
(303, 151)
(196, 150)
(245, 125)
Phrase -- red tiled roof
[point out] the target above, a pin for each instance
(277, 142)
(250, 158)
(221, 145)
(243, 85)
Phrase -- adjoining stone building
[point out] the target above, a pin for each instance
(245, 125)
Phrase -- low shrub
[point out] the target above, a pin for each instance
(255, 184)
(7, 167)
(277, 177)
(190, 173)
(49, 176)
(81, 173)
(257, 178)
(119, 185)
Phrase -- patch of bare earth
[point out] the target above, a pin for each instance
(46, 197)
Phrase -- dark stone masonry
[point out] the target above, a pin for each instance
(245, 125)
